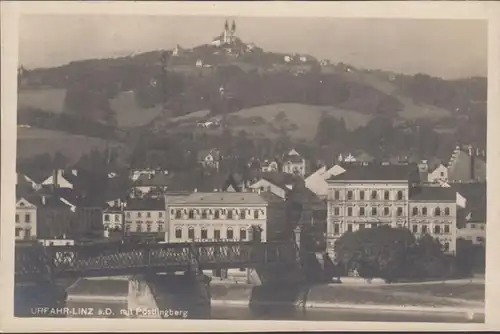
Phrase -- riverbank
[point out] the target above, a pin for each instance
(424, 298)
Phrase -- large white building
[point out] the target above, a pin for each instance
(225, 216)
(374, 195)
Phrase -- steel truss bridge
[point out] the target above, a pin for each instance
(36, 263)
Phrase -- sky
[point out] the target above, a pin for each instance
(444, 48)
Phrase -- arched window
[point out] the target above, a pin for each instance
(242, 214)
(414, 211)
(243, 234)
(386, 195)
(204, 233)
(386, 211)
(191, 233)
(229, 233)
(361, 211)
(361, 195)
(400, 195)
(203, 214)
(437, 212)
(437, 229)
(106, 218)
(336, 194)
(172, 212)
(424, 211)
(374, 211)
(255, 214)
(349, 195)
(446, 211)
(374, 194)
(178, 233)
(400, 211)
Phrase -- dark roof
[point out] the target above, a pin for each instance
(158, 179)
(379, 172)
(51, 201)
(199, 180)
(433, 194)
(39, 176)
(145, 204)
(305, 195)
(475, 194)
(280, 179)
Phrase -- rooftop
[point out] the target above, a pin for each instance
(433, 194)
(138, 204)
(158, 179)
(379, 173)
(248, 198)
(280, 179)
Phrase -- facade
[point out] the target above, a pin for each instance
(433, 211)
(145, 216)
(269, 166)
(225, 216)
(112, 219)
(439, 174)
(266, 185)
(467, 165)
(26, 219)
(316, 182)
(367, 197)
(152, 185)
(210, 159)
(294, 164)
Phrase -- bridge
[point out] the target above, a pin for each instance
(37, 263)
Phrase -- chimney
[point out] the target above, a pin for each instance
(44, 200)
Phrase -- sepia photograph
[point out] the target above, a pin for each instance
(232, 167)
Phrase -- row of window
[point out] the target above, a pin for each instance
(27, 218)
(363, 212)
(148, 214)
(437, 211)
(216, 214)
(438, 229)
(27, 232)
(149, 227)
(374, 195)
(107, 218)
(204, 233)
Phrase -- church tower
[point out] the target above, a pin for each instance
(226, 33)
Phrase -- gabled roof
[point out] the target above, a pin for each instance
(379, 173)
(159, 179)
(51, 201)
(144, 204)
(433, 194)
(281, 180)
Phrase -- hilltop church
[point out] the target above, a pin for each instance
(227, 37)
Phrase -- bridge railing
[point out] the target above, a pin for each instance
(36, 262)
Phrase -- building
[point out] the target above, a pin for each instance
(438, 174)
(145, 217)
(433, 211)
(473, 204)
(210, 158)
(227, 37)
(151, 185)
(56, 217)
(317, 181)
(60, 179)
(279, 184)
(113, 219)
(225, 216)
(26, 218)
(269, 166)
(293, 163)
(368, 196)
(467, 165)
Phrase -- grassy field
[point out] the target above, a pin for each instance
(128, 114)
(35, 141)
(49, 99)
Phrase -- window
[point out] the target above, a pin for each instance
(204, 214)
(191, 233)
(446, 246)
(437, 212)
(336, 211)
(160, 227)
(17, 218)
(18, 232)
(178, 214)
(400, 195)
(138, 227)
(446, 229)
(424, 229)
(374, 211)
(243, 233)
(27, 218)
(374, 194)
(349, 195)
(106, 218)
(216, 234)
(336, 195)
(446, 211)
(424, 211)
(349, 227)
(242, 214)
(128, 227)
(148, 214)
(191, 214)
(472, 226)
(361, 195)
(178, 233)
(139, 214)
(386, 195)
(117, 218)
(373, 226)
(437, 229)
(414, 211)
(349, 211)
(386, 211)
(229, 233)
(230, 214)
(160, 214)
(204, 234)
(442, 174)
(480, 239)
(361, 211)
(415, 228)
(362, 226)
(336, 229)
(399, 212)
(148, 227)
(216, 214)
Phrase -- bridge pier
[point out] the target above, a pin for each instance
(39, 299)
(184, 295)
